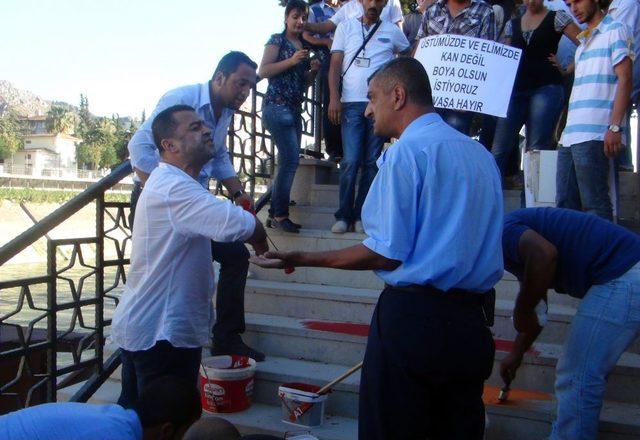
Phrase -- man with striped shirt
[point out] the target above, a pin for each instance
(600, 96)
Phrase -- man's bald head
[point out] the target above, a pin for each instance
(408, 73)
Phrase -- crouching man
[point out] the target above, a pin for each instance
(165, 314)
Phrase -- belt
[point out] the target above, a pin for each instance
(432, 291)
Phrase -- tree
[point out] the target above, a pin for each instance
(60, 120)
(97, 148)
(11, 135)
(84, 116)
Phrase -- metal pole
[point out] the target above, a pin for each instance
(52, 333)
(99, 309)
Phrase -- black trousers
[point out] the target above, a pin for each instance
(234, 266)
(139, 368)
(427, 357)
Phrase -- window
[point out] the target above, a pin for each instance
(27, 142)
(28, 156)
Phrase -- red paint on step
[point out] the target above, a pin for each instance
(346, 328)
(506, 345)
(516, 397)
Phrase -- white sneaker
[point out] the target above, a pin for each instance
(358, 227)
(339, 227)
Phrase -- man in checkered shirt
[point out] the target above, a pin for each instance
(472, 18)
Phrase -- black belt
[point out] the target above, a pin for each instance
(487, 300)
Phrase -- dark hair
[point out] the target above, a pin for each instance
(411, 74)
(164, 124)
(231, 61)
(212, 428)
(169, 399)
(295, 4)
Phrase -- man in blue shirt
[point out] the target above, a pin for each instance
(215, 103)
(430, 216)
(166, 409)
(589, 258)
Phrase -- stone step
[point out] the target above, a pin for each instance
(343, 343)
(312, 301)
(527, 415)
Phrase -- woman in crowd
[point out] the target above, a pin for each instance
(538, 94)
(286, 63)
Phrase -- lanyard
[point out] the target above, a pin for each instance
(364, 49)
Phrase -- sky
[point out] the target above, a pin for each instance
(124, 55)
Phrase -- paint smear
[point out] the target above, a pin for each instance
(347, 328)
(516, 397)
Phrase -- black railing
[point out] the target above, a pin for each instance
(53, 324)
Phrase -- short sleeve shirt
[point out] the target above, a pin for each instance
(433, 206)
(590, 250)
(287, 88)
(71, 421)
(170, 283)
(560, 21)
(595, 81)
(350, 34)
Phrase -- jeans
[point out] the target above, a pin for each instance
(427, 357)
(361, 150)
(538, 109)
(285, 126)
(459, 120)
(139, 368)
(606, 323)
(234, 266)
(582, 179)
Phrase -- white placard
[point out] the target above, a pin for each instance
(468, 73)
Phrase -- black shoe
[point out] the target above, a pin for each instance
(270, 220)
(285, 225)
(237, 348)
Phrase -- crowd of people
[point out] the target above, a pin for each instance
(431, 205)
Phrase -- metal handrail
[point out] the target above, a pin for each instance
(74, 205)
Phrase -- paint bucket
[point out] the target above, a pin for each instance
(226, 383)
(301, 404)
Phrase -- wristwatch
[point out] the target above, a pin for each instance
(614, 128)
(238, 194)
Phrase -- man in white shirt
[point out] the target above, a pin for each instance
(165, 314)
(215, 102)
(360, 145)
(391, 13)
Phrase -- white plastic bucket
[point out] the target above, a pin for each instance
(301, 404)
(226, 383)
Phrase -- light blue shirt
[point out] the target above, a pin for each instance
(71, 421)
(436, 206)
(144, 153)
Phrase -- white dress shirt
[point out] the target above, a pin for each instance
(144, 153)
(168, 295)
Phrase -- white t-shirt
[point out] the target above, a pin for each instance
(350, 34)
(391, 13)
(171, 282)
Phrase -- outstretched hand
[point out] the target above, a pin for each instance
(270, 260)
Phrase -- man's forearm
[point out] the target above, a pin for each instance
(334, 79)
(358, 257)
(141, 175)
(622, 99)
(320, 28)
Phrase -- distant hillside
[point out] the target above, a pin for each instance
(22, 102)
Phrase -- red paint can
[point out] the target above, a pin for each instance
(226, 383)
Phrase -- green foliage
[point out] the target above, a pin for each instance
(60, 120)
(104, 140)
(30, 195)
(11, 132)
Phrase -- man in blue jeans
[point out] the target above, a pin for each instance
(589, 258)
(361, 147)
(600, 96)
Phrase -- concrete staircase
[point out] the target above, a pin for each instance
(313, 323)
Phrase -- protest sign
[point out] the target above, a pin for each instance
(468, 73)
